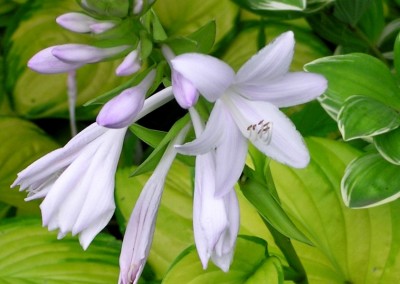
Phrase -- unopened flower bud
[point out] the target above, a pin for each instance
(81, 53)
(45, 62)
(185, 93)
(130, 65)
(81, 23)
(121, 111)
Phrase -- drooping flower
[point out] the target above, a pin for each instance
(139, 232)
(185, 93)
(77, 181)
(215, 219)
(246, 107)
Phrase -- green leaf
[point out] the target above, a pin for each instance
(333, 30)
(263, 200)
(175, 212)
(312, 120)
(37, 95)
(354, 74)
(201, 40)
(373, 21)
(350, 246)
(370, 181)
(388, 145)
(362, 116)
(251, 265)
(30, 254)
(158, 30)
(181, 17)
(152, 161)
(351, 11)
(150, 136)
(22, 143)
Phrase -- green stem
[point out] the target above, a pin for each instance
(284, 243)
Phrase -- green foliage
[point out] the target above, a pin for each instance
(269, 208)
(22, 143)
(361, 116)
(252, 265)
(370, 181)
(355, 74)
(357, 246)
(31, 254)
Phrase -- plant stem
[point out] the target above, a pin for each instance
(284, 243)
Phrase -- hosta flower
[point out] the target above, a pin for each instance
(77, 183)
(215, 219)
(246, 107)
(139, 232)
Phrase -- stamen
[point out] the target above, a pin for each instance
(260, 131)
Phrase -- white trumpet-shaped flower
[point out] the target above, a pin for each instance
(77, 182)
(215, 219)
(139, 232)
(246, 107)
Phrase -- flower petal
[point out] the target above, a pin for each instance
(223, 253)
(271, 61)
(210, 137)
(229, 166)
(269, 130)
(209, 217)
(99, 200)
(208, 74)
(287, 90)
(58, 159)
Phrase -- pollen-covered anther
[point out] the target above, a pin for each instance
(261, 131)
